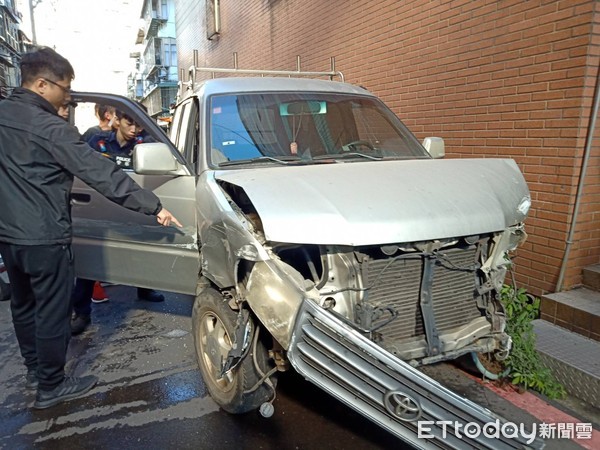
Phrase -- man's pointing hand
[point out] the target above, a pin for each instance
(165, 218)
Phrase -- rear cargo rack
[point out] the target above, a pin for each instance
(194, 69)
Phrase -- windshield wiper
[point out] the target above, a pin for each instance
(348, 155)
(284, 160)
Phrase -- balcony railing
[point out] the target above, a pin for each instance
(9, 5)
(153, 24)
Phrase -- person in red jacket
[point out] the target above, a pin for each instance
(40, 154)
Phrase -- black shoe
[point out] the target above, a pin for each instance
(150, 295)
(31, 379)
(69, 389)
(79, 323)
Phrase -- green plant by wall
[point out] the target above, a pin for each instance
(524, 364)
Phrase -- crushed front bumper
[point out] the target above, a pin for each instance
(385, 389)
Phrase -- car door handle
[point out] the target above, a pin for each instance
(80, 199)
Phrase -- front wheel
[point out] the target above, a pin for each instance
(239, 390)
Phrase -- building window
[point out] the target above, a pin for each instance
(3, 76)
(213, 18)
(11, 36)
(2, 25)
(169, 53)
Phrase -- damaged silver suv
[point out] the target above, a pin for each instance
(319, 234)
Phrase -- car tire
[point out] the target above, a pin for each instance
(213, 325)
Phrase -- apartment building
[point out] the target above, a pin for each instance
(154, 81)
(10, 46)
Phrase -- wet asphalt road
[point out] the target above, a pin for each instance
(151, 396)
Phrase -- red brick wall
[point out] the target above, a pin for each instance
(507, 78)
(586, 240)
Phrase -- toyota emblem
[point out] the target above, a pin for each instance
(402, 406)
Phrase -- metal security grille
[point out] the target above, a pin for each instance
(399, 286)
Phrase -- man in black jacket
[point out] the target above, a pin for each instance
(39, 156)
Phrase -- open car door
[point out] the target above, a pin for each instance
(116, 245)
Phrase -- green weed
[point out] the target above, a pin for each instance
(524, 364)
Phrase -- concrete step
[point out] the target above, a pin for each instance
(591, 277)
(577, 310)
(573, 359)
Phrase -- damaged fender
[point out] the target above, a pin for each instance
(496, 265)
(275, 292)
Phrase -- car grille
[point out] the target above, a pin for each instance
(399, 285)
(361, 374)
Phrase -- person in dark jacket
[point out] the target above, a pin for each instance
(39, 156)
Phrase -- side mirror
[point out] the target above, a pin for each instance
(435, 147)
(154, 159)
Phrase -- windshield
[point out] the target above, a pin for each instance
(304, 128)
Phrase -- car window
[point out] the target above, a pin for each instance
(83, 116)
(174, 130)
(185, 131)
(309, 126)
(183, 119)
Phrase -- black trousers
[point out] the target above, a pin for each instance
(82, 296)
(41, 278)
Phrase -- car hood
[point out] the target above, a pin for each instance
(366, 203)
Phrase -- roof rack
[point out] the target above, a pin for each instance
(194, 69)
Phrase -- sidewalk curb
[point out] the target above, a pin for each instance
(541, 410)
